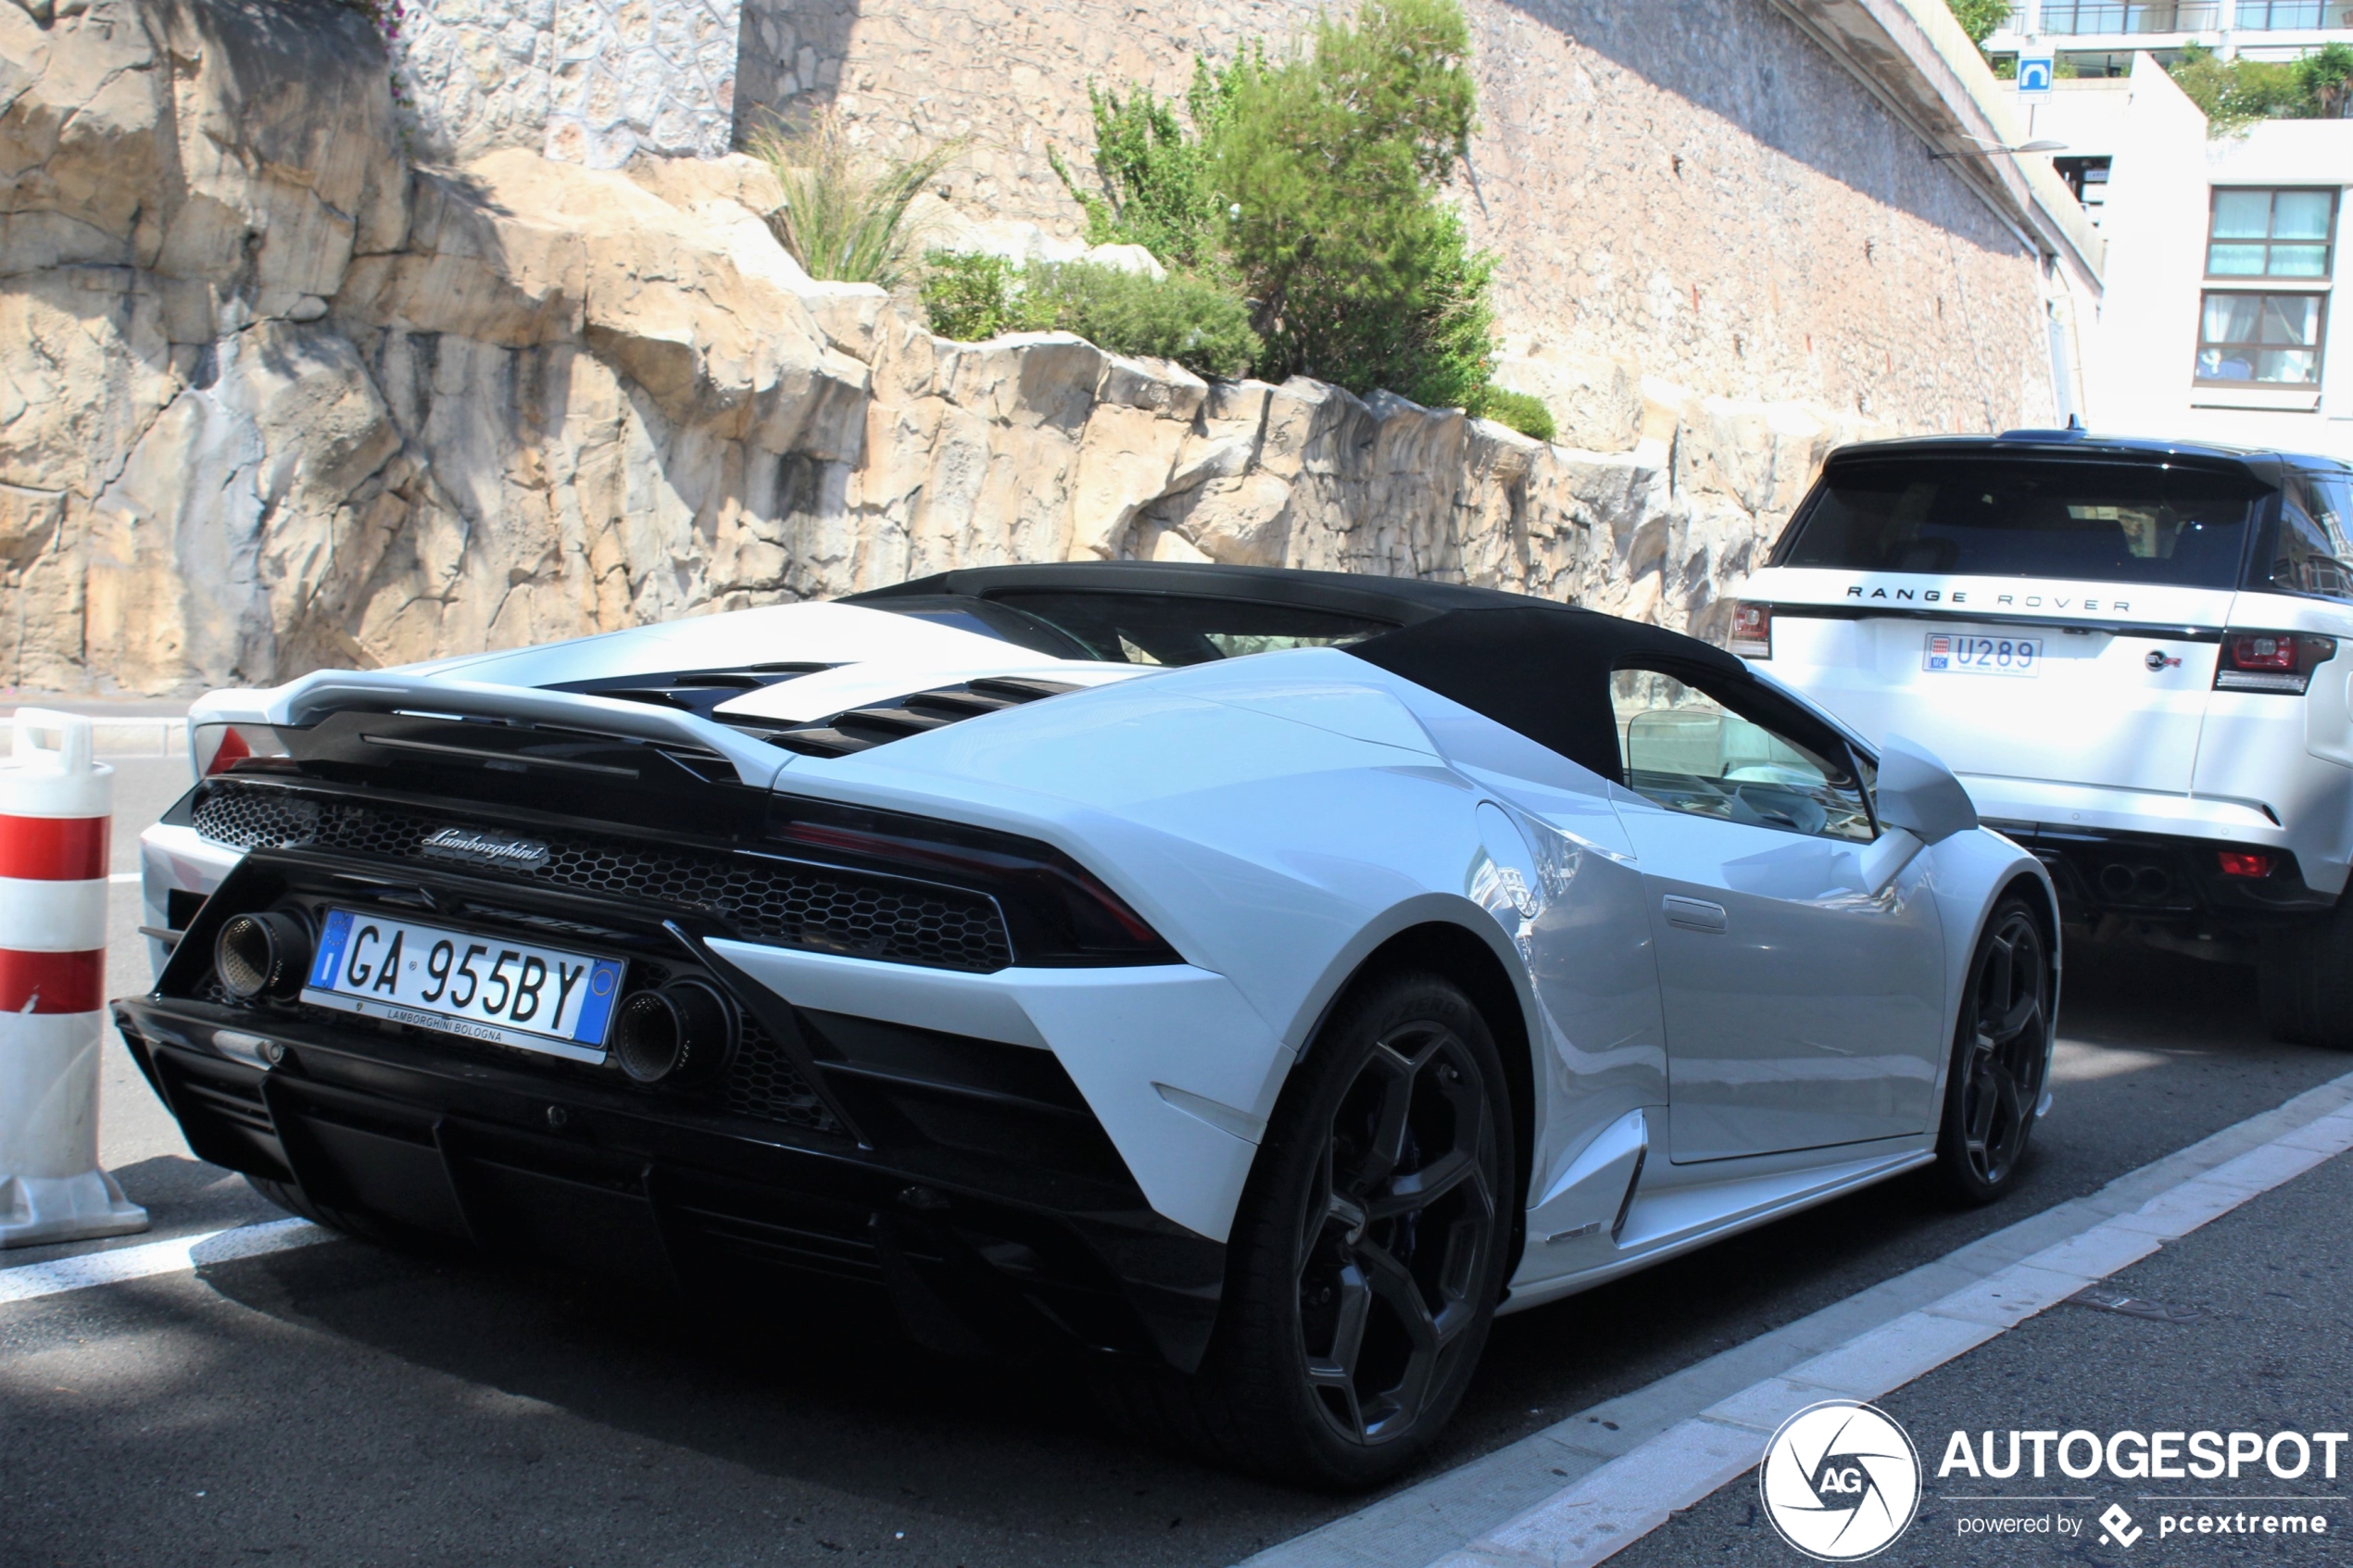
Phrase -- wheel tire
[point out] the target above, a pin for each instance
(1366, 1260)
(2001, 1046)
(2304, 985)
(294, 1201)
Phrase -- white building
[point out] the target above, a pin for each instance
(2222, 318)
(2100, 37)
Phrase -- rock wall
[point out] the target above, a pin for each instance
(271, 398)
(592, 81)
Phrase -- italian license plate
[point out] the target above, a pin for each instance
(1959, 655)
(481, 987)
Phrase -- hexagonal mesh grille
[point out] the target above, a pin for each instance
(764, 1082)
(832, 912)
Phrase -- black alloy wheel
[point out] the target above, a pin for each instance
(1402, 1214)
(1999, 1052)
(1368, 1257)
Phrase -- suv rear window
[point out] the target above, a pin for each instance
(1996, 516)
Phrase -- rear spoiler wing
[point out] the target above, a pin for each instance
(314, 696)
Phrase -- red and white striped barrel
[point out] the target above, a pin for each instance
(56, 808)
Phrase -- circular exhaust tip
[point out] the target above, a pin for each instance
(680, 1034)
(258, 954)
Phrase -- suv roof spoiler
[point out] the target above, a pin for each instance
(2074, 431)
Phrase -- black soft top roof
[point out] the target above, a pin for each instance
(1400, 600)
(1531, 665)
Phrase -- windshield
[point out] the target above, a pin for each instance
(2001, 517)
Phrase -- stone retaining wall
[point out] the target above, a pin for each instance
(593, 81)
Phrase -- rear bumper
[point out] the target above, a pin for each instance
(2167, 880)
(975, 1253)
(2099, 809)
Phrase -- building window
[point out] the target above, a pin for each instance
(2286, 16)
(2078, 17)
(2268, 339)
(2270, 233)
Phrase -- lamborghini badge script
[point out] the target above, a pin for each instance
(1841, 1480)
(485, 849)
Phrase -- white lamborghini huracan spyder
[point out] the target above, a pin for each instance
(1249, 981)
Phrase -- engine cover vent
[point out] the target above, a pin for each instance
(861, 729)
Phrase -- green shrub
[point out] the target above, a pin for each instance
(1312, 185)
(1187, 319)
(1980, 19)
(1184, 318)
(2326, 77)
(1157, 187)
(2235, 94)
(845, 217)
(1333, 163)
(973, 297)
(1523, 412)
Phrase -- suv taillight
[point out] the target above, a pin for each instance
(2270, 661)
(1751, 629)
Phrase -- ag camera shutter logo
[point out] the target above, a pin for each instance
(1841, 1481)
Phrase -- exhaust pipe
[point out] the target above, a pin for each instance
(262, 955)
(2124, 883)
(682, 1033)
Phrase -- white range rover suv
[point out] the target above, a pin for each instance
(2135, 655)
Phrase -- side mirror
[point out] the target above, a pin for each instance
(1919, 794)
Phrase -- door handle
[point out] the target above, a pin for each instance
(1694, 914)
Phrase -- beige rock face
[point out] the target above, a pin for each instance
(272, 399)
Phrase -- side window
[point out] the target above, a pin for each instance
(1686, 750)
(2314, 555)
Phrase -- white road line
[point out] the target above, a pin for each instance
(1589, 1486)
(126, 877)
(29, 1282)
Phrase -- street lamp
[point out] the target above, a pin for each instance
(1989, 149)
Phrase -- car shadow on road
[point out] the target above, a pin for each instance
(824, 1393)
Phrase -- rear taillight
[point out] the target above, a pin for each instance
(2270, 661)
(1057, 911)
(2239, 863)
(220, 749)
(1751, 629)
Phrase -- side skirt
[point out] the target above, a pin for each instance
(1668, 1220)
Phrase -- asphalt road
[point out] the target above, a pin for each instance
(2265, 1294)
(348, 1405)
